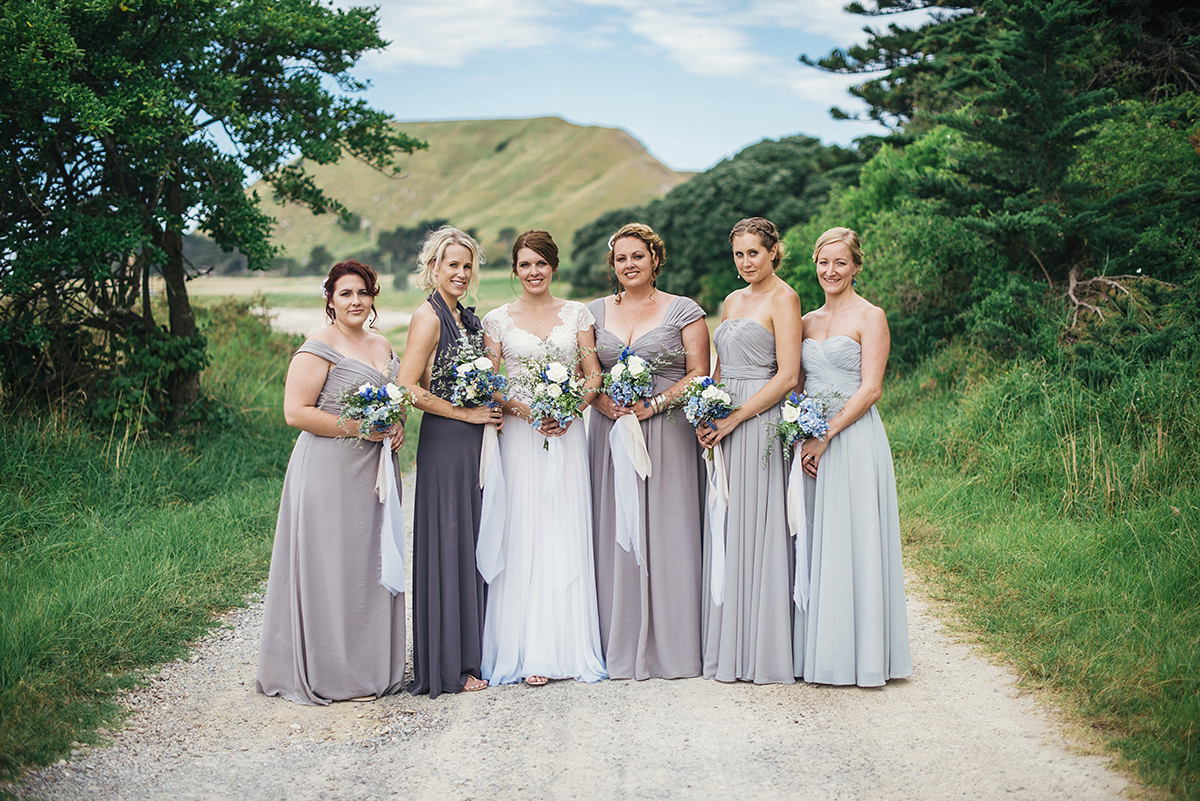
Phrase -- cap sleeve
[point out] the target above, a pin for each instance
(683, 311)
(583, 318)
(494, 323)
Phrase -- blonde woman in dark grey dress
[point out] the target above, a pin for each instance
(649, 614)
(748, 636)
(331, 632)
(448, 592)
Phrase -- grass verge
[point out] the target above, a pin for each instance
(1064, 524)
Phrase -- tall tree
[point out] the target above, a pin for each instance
(126, 123)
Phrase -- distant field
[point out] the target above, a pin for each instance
(296, 303)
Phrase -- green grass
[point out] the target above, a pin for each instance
(1065, 525)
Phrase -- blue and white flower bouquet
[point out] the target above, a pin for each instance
(801, 417)
(705, 401)
(629, 380)
(555, 391)
(375, 407)
(475, 379)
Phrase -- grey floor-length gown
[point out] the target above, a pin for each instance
(330, 630)
(650, 620)
(855, 630)
(749, 637)
(448, 592)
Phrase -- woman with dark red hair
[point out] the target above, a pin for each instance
(332, 630)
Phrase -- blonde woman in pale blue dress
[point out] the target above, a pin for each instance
(748, 634)
(855, 630)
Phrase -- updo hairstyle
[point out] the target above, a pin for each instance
(650, 239)
(350, 267)
(766, 232)
(434, 248)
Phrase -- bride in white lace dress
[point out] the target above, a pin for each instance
(541, 620)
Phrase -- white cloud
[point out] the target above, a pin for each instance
(445, 34)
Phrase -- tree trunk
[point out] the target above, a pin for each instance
(186, 388)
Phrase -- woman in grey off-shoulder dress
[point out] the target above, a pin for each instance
(748, 633)
(649, 614)
(331, 632)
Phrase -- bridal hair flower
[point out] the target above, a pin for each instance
(325, 287)
(611, 240)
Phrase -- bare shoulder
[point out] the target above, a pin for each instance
(324, 336)
(872, 314)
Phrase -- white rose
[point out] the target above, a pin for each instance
(482, 363)
(554, 390)
(617, 371)
(393, 392)
(637, 365)
(556, 372)
(790, 413)
(725, 398)
(472, 392)
(711, 393)
(464, 368)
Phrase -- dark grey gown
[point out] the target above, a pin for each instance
(749, 637)
(650, 620)
(330, 630)
(855, 630)
(448, 592)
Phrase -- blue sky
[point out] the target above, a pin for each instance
(694, 82)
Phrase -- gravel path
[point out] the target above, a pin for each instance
(958, 729)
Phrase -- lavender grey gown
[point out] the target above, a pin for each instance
(330, 631)
(749, 637)
(855, 630)
(650, 620)
(448, 592)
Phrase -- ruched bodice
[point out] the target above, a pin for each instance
(832, 366)
(746, 350)
(665, 342)
(346, 372)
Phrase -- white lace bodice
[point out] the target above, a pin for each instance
(517, 344)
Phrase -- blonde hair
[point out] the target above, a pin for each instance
(434, 248)
(846, 235)
(766, 232)
(650, 239)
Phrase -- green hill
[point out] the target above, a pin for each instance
(489, 175)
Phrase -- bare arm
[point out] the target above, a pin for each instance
(424, 330)
(301, 394)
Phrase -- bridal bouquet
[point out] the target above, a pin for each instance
(554, 390)
(630, 379)
(376, 407)
(475, 379)
(801, 417)
(704, 401)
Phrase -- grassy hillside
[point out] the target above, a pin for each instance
(483, 174)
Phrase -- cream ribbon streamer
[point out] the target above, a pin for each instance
(797, 524)
(631, 461)
(391, 530)
(718, 506)
(489, 547)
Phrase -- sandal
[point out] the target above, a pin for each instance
(536, 681)
(474, 685)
